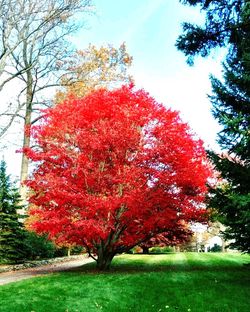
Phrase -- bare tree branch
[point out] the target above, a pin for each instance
(33, 39)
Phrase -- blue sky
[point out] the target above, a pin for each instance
(150, 29)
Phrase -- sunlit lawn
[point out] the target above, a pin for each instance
(139, 283)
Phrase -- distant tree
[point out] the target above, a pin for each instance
(228, 25)
(112, 170)
(215, 248)
(11, 229)
(93, 68)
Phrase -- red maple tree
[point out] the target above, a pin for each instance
(112, 170)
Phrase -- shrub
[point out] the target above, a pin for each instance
(161, 250)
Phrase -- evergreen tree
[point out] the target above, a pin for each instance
(228, 24)
(11, 229)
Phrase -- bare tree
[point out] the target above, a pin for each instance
(34, 49)
(9, 39)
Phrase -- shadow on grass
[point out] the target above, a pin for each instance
(133, 266)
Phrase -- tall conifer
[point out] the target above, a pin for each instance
(228, 24)
(11, 229)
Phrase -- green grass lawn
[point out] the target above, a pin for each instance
(139, 283)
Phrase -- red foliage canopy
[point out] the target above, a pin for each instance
(113, 169)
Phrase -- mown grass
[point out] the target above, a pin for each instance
(139, 283)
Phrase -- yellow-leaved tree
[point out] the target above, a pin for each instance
(95, 68)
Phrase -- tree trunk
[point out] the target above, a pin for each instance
(69, 251)
(26, 140)
(145, 250)
(104, 260)
(223, 245)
